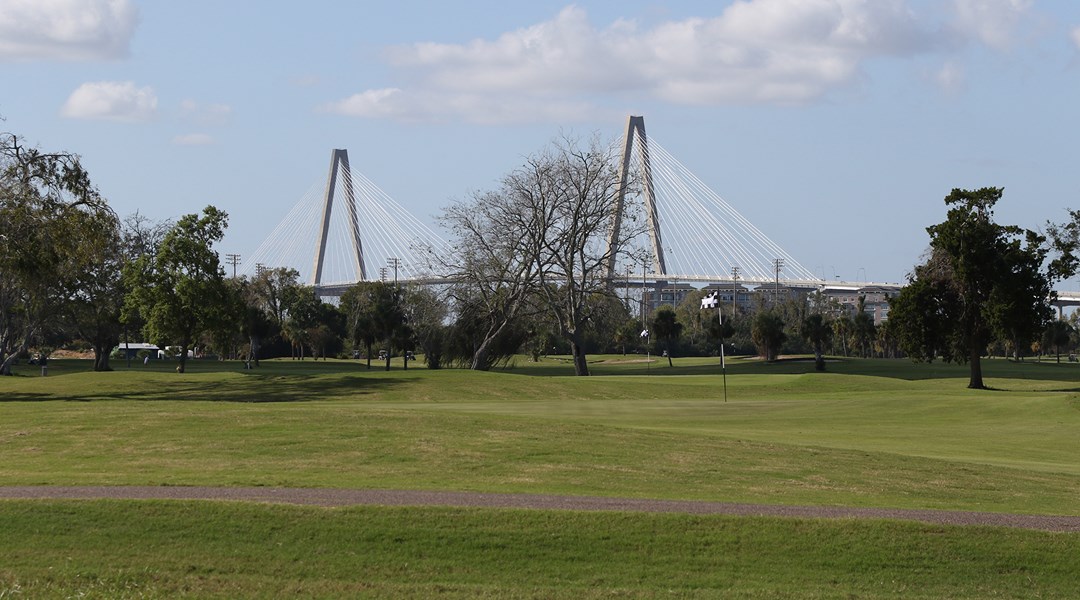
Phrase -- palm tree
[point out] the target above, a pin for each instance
(666, 327)
(816, 330)
(1057, 335)
(768, 334)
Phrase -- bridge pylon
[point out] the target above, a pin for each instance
(635, 127)
(339, 164)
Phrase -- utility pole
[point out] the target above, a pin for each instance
(232, 259)
(382, 274)
(778, 264)
(394, 262)
(644, 325)
(734, 289)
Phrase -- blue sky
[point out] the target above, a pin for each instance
(835, 126)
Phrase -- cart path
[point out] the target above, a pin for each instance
(352, 497)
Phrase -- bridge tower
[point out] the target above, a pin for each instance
(339, 164)
(635, 126)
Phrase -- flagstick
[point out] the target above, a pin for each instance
(723, 364)
(708, 302)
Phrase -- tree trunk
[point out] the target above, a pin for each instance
(182, 367)
(369, 355)
(480, 361)
(253, 357)
(103, 344)
(581, 367)
(976, 381)
(5, 368)
(101, 359)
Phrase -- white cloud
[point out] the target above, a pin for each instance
(193, 139)
(205, 114)
(371, 103)
(993, 22)
(951, 77)
(774, 51)
(66, 29)
(111, 100)
(484, 109)
(305, 80)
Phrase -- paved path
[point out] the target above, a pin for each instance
(347, 497)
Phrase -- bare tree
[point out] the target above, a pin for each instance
(495, 264)
(543, 234)
(575, 189)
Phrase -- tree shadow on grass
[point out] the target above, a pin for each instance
(800, 365)
(256, 389)
(253, 389)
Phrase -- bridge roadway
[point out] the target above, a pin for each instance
(1064, 298)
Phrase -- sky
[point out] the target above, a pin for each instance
(837, 127)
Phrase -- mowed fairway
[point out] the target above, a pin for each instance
(868, 433)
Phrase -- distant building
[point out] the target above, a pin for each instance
(742, 295)
(876, 302)
(666, 293)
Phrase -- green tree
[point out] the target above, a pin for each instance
(863, 328)
(54, 231)
(271, 290)
(767, 332)
(375, 311)
(696, 322)
(960, 297)
(93, 306)
(628, 334)
(426, 313)
(141, 237)
(180, 290)
(886, 340)
(309, 324)
(226, 324)
(470, 336)
(842, 326)
(667, 328)
(358, 305)
(818, 332)
(1057, 335)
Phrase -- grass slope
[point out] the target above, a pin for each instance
(152, 549)
(870, 433)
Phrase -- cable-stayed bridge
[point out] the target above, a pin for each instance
(346, 229)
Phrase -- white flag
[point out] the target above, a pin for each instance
(711, 301)
(644, 333)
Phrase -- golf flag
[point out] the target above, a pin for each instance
(711, 301)
(644, 333)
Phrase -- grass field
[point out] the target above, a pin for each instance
(868, 433)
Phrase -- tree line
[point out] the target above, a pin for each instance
(531, 274)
